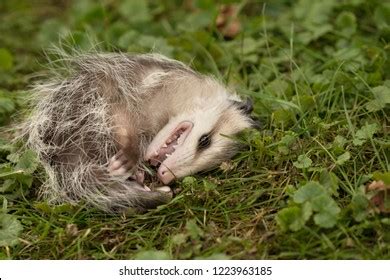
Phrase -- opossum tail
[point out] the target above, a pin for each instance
(91, 184)
(120, 196)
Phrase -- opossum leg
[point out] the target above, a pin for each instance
(119, 165)
(139, 177)
(126, 137)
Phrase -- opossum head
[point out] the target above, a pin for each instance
(198, 139)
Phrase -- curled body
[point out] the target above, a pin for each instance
(95, 126)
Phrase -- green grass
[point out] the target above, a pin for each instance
(318, 72)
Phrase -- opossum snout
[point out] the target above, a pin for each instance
(165, 175)
(161, 153)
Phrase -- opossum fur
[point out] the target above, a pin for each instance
(95, 124)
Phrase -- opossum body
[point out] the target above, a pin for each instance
(95, 128)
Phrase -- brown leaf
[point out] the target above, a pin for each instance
(227, 21)
(71, 230)
(227, 166)
(379, 192)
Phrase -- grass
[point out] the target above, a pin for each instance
(318, 72)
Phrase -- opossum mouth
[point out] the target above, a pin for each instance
(175, 139)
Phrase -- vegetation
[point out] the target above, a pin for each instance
(318, 72)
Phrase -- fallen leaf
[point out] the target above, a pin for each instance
(227, 21)
(380, 196)
(71, 230)
(227, 166)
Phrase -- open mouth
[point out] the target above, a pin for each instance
(169, 146)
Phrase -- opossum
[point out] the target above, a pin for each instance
(96, 125)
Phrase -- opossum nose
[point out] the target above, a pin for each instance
(165, 175)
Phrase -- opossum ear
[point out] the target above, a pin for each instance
(256, 124)
(245, 106)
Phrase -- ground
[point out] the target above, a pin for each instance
(318, 73)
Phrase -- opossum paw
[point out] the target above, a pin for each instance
(119, 165)
(139, 176)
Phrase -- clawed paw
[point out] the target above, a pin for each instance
(119, 165)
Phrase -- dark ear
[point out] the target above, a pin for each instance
(245, 106)
(256, 124)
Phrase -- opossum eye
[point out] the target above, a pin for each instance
(204, 141)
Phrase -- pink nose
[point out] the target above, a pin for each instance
(165, 175)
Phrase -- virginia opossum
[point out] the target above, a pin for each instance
(95, 126)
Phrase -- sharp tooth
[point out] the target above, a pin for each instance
(156, 153)
(168, 155)
(165, 145)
